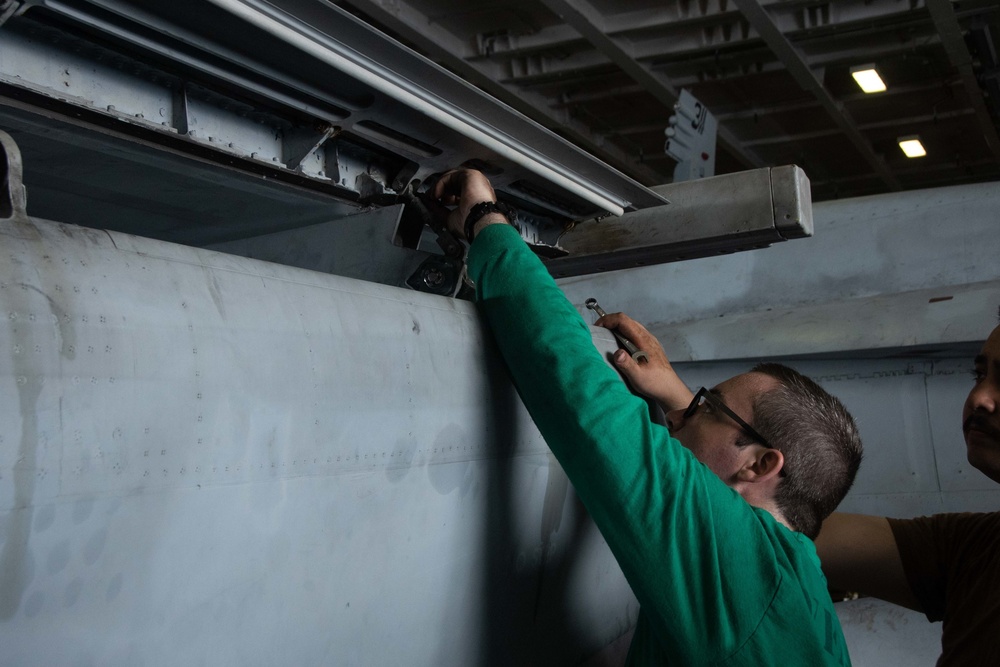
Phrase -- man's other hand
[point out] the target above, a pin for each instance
(656, 378)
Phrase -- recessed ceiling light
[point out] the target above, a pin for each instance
(911, 146)
(868, 78)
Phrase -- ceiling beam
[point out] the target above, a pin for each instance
(711, 24)
(742, 112)
(895, 122)
(443, 46)
(693, 22)
(760, 112)
(944, 18)
(807, 79)
(804, 136)
(589, 23)
(745, 113)
(582, 96)
(693, 69)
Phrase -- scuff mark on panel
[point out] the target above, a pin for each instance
(17, 567)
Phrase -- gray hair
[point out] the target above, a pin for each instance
(819, 441)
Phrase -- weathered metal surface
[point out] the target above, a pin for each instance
(207, 459)
(13, 198)
(332, 100)
(356, 246)
(705, 217)
(791, 198)
(881, 272)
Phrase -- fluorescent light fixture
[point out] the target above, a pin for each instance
(868, 78)
(911, 146)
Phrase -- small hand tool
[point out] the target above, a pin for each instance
(638, 355)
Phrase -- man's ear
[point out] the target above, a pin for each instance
(765, 464)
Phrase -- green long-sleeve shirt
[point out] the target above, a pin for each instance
(719, 582)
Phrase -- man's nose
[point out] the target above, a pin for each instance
(984, 396)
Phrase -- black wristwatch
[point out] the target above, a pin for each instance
(482, 208)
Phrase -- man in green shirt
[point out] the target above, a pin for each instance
(712, 531)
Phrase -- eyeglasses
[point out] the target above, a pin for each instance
(706, 395)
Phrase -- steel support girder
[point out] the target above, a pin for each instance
(444, 46)
(804, 75)
(739, 112)
(752, 58)
(707, 26)
(405, 87)
(585, 19)
(724, 114)
(409, 81)
(895, 122)
(954, 44)
(561, 36)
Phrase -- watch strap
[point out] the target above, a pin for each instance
(477, 212)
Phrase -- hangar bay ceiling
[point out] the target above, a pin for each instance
(209, 122)
(775, 73)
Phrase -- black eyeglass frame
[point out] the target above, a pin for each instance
(717, 402)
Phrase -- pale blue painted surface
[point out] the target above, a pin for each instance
(206, 459)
